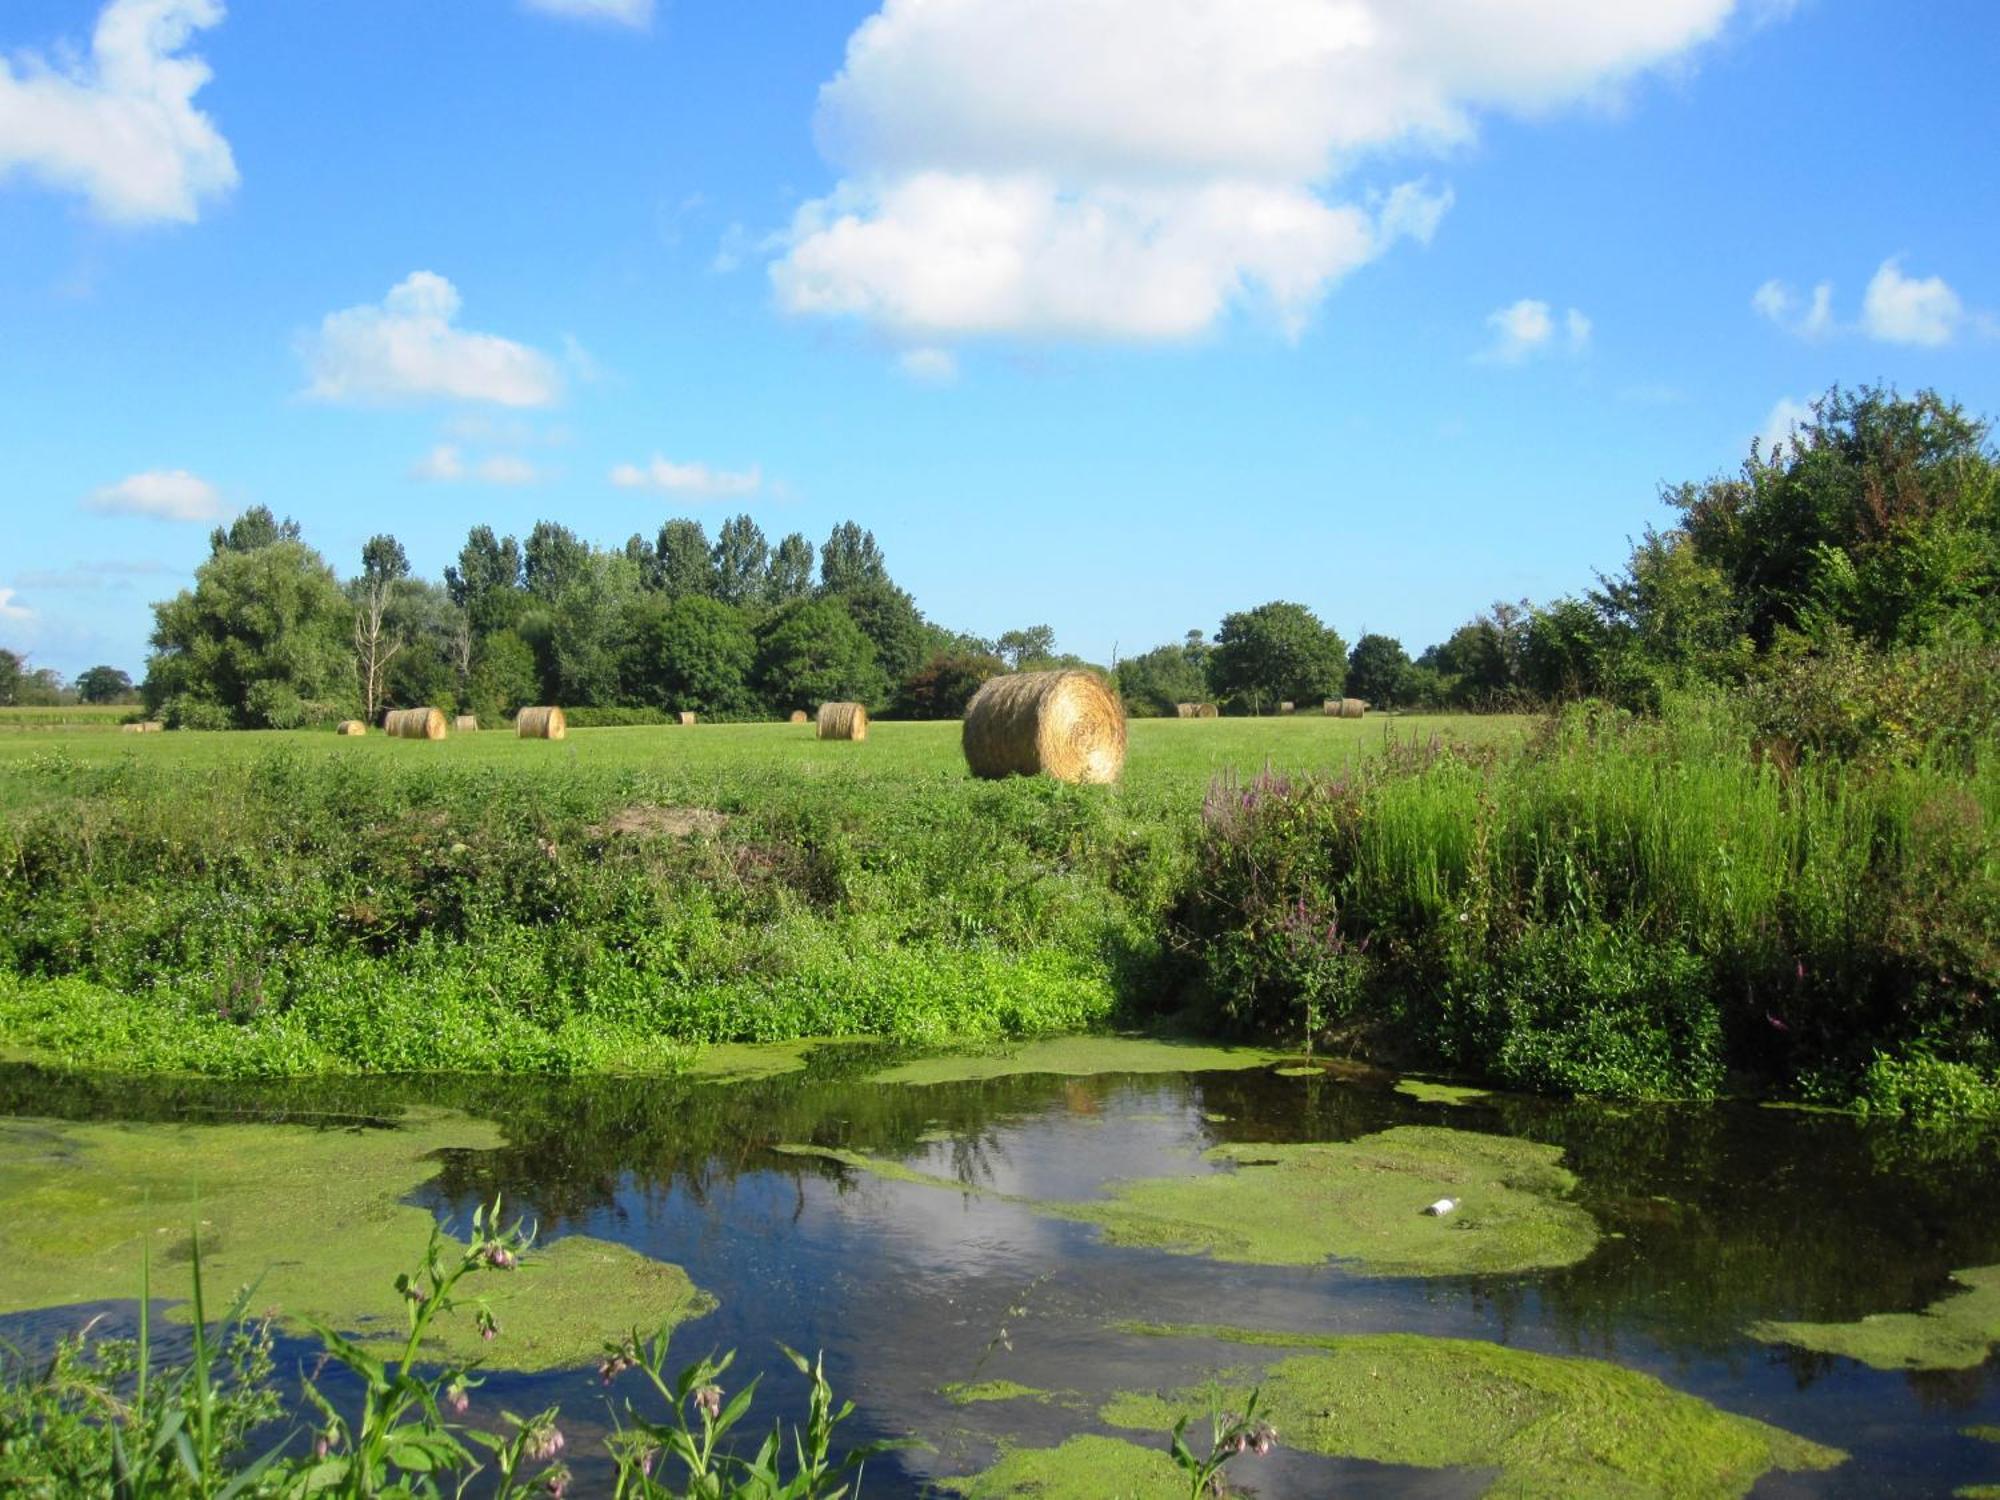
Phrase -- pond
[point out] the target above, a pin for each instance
(1034, 1263)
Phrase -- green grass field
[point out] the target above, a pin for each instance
(93, 716)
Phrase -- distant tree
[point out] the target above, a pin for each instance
(505, 675)
(687, 562)
(255, 528)
(740, 559)
(1480, 662)
(431, 669)
(790, 575)
(383, 559)
(39, 687)
(263, 634)
(377, 641)
(1565, 652)
(1275, 653)
(12, 667)
(1153, 682)
(1024, 650)
(850, 560)
(697, 653)
(1378, 671)
(941, 687)
(584, 643)
(645, 556)
(486, 584)
(554, 560)
(812, 653)
(94, 685)
(889, 618)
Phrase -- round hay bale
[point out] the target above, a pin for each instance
(800, 716)
(465, 724)
(1207, 711)
(1068, 725)
(541, 724)
(1331, 708)
(687, 717)
(1352, 708)
(843, 721)
(350, 727)
(414, 724)
(1185, 710)
(1288, 707)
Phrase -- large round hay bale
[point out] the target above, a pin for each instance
(465, 724)
(800, 716)
(541, 724)
(1288, 707)
(843, 721)
(1185, 710)
(1352, 708)
(414, 724)
(1068, 725)
(350, 727)
(687, 717)
(143, 726)
(1207, 711)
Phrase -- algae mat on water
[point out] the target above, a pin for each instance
(313, 1216)
(1956, 1332)
(1551, 1426)
(1079, 1057)
(1084, 1468)
(1357, 1201)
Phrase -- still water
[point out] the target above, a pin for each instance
(1709, 1220)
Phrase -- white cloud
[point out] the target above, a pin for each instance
(1528, 327)
(164, 494)
(930, 366)
(1779, 303)
(121, 129)
(508, 468)
(1901, 309)
(406, 347)
(622, 12)
(688, 479)
(9, 610)
(1138, 168)
(446, 464)
(1789, 413)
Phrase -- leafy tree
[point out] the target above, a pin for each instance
(431, 668)
(505, 675)
(1566, 651)
(1275, 653)
(554, 560)
(850, 560)
(584, 641)
(686, 562)
(740, 558)
(813, 653)
(93, 685)
(38, 687)
(486, 584)
(695, 653)
(1378, 671)
(384, 560)
(1024, 650)
(260, 630)
(13, 666)
(1480, 662)
(255, 528)
(889, 618)
(790, 575)
(1154, 681)
(942, 686)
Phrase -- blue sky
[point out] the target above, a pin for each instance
(1110, 314)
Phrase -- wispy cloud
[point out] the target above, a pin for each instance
(9, 610)
(164, 494)
(1899, 309)
(1529, 327)
(447, 464)
(929, 366)
(635, 13)
(1780, 426)
(688, 479)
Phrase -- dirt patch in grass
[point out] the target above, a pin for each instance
(314, 1217)
(1551, 1426)
(648, 820)
(1956, 1332)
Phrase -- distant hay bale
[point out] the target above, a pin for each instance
(1352, 708)
(1207, 711)
(541, 724)
(465, 724)
(1288, 707)
(1331, 708)
(800, 716)
(843, 721)
(350, 726)
(146, 726)
(687, 717)
(414, 724)
(1187, 710)
(1068, 725)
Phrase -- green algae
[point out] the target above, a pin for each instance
(1084, 1468)
(1297, 1071)
(967, 1393)
(1079, 1057)
(1550, 1425)
(739, 1062)
(1956, 1332)
(1983, 1434)
(1424, 1091)
(312, 1217)
(1357, 1201)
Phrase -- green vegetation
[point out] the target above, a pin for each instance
(1360, 1202)
(1083, 1468)
(1552, 1426)
(970, 1393)
(1427, 1091)
(1078, 1057)
(1956, 1332)
(310, 1215)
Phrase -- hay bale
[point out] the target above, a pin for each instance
(350, 726)
(1186, 710)
(687, 717)
(1352, 708)
(1288, 707)
(1207, 711)
(541, 724)
(1068, 725)
(146, 726)
(1331, 708)
(800, 716)
(843, 721)
(465, 724)
(414, 724)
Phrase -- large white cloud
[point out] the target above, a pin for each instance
(407, 347)
(688, 479)
(1135, 168)
(164, 494)
(121, 128)
(1901, 309)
